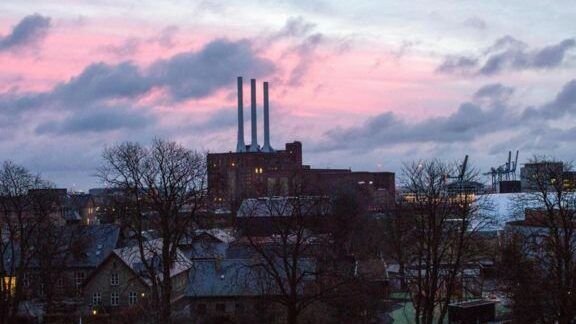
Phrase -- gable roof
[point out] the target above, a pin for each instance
(152, 249)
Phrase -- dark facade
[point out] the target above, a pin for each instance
(235, 176)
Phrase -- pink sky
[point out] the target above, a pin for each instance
(336, 68)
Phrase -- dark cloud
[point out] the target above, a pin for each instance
(464, 125)
(98, 119)
(493, 93)
(185, 75)
(101, 81)
(91, 98)
(199, 74)
(488, 112)
(563, 104)
(508, 54)
(29, 30)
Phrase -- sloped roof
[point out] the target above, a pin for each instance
(152, 254)
(223, 278)
(237, 277)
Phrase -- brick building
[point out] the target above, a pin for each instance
(254, 171)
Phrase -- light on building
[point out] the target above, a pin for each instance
(94, 312)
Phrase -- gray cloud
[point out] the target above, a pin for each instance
(98, 119)
(508, 54)
(92, 97)
(29, 30)
(294, 27)
(199, 74)
(306, 57)
(476, 23)
(101, 81)
(488, 112)
(563, 104)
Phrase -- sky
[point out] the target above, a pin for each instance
(367, 85)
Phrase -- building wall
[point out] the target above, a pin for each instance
(127, 282)
(233, 176)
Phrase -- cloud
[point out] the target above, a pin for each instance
(101, 81)
(508, 54)
(29, 30)
(185, 75)
(93, 99)
(306, 58)
(98, 119)
(489, 112)
(295, 27)
(493, 93)
(563, 104)
(475, 23)
(199, 74)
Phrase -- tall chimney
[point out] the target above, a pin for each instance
(267, 147)
(240, 146)
(254, 145)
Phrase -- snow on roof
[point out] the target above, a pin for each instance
(131, 256)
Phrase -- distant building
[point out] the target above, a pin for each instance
(253, 171)
(533, 175)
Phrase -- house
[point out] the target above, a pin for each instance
(124, 280)
(65, 257)
(79, 208)
(207, 243)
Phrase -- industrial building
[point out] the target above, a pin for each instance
(254, 171)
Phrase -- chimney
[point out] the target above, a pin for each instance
(267, 147)
(254, 145)
(240, 146)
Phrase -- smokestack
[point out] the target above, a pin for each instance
(240, 146)
(254, 145)
(267, 147)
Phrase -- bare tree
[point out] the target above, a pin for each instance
(540, 252)
(442, 220)
(294, 253)
(21, 213)
(164, 186)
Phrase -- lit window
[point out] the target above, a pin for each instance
(114, 280)
(132, 297)
(114, 299)
(96, 299)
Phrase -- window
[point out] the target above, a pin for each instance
(221, 308)
(201, 309)
(132, 298)
(60, 284)
(96, 299)
(114, 299)
(114, 281)
(79, 278)
(239, 308)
